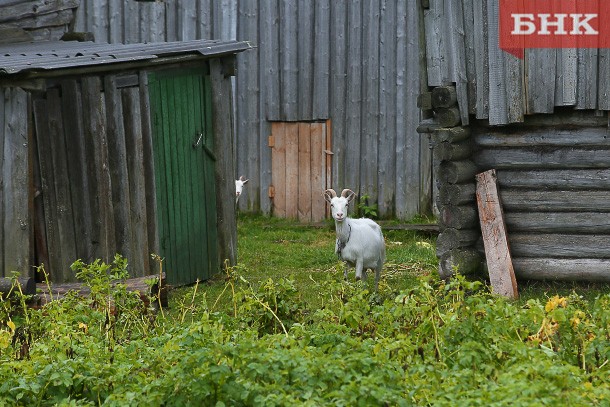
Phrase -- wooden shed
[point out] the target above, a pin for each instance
(117, 148)
(541, 122)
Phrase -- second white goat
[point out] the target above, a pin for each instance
(360, 242)
(239, 187)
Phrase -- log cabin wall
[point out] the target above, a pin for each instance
(554, 178)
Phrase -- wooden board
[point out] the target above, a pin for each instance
(497, 253)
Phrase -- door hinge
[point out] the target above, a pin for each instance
(271, 191)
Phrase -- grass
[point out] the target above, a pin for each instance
(270, 248)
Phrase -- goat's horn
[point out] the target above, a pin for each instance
(331, 192)
(345, 193)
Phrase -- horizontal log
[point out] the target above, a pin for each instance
(559, 245)
(444, 96)
(517, 137)
(451, 134)
(464, 261)
(448, 117)
(555, 179)
(458, 217)
(555, 201)
(457, 172)
(563, 269)
(28, 286)
(558, 222)
(427, 126)
(540, 157)
(447, 151)
(456, 194)
(451, 238)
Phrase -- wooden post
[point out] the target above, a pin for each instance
(222, 122)
(499, 261)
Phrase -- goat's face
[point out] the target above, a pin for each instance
(339, 204)
(239, 187)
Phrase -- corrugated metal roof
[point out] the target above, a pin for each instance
(45, 56)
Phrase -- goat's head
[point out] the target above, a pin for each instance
(339, 204)
(239, 187)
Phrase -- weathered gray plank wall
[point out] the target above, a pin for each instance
(356, 63)
(462, 48)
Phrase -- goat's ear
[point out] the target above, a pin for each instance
(348, 194)
(329, 194)
(246, 181)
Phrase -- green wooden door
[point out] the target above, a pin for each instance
(184, 171)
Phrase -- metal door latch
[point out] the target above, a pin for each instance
(196, 143)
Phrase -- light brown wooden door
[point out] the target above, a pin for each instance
(300, 169)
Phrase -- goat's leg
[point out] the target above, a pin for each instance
(378, 273)
(345, 270)
(359, 270)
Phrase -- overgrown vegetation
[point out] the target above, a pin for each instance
(283, 328)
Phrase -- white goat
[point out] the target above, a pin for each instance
(360, 242)
(239, 187)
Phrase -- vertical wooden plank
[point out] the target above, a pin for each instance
(98, 168)
(469, 42)
(353, 130)
(131, 22)
(269, 102)
(64, 215)
(435, 48)
(540, 80)
(134, 148)
(115, 21)
(152, 22)
(493, 227)
(603, 86)
(171, 21)
(321, 60)
(457, 44)
(222, 239)
(222, 124)
(16, 224)
(481, 48)
(586, 91)
(77, 168)
(370, 100)
(187, 20)
(149, 169)
(304, 183)
(278, 158)
(338, 88)
(305, 53)
(565, 93)
(4, 95)
(318, 158)
(97, 20)
(209, 18)
(404, 43)
(225, 19)
(117, 158)
(289, 63)
(49, 202)
(498, 111)
(248, 96)
(387, 109)
(292, 170)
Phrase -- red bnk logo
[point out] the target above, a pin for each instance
(553, 24)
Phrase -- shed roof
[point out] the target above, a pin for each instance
(44, 56)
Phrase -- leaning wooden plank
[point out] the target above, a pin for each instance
(497, 253)
(563, 269)
(15, 178)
